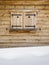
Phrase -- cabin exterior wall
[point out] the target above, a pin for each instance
(34, 38)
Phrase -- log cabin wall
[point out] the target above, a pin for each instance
(16, 39)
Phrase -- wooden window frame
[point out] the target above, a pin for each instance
(20, 27)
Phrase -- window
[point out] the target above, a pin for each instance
(23, 21)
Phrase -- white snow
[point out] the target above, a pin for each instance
(25, 56)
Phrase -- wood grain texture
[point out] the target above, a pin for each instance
(32, 38)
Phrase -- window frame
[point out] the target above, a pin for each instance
(22, 27)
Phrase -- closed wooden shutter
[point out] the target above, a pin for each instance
(30, 19)
(16, 20)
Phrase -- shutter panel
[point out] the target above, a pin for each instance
(30, 19)
(16, 20)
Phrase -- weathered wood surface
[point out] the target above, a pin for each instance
(34, 38)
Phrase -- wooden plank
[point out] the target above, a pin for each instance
(24, 2)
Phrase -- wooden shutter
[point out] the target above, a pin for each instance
(16, 20)
(30, 19)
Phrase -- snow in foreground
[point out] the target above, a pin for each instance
(25, 56)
